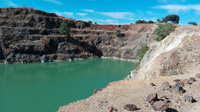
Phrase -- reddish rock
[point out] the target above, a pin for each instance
(165, 99)
(112, 109)
(160, 106)
(181, 83)
(177, 89)
(191, 80)
(151, 98)
(97, 90)
(152, 84)
(130, 107)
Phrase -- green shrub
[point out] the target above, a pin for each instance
(142, 51)
(64, 29)
(117, 32)
(90, 22)
(136, 64)
(140, 54)
(164, 30)
(51, 20)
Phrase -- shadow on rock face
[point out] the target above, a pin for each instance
(171, 110)
(86, 47)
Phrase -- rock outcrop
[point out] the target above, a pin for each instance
(27, 35)
(171, 55)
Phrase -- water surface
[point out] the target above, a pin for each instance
(44, 87)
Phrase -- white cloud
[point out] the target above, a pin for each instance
(177, 8)
(171, 1)
(70, 14)
(54, 1)
(118, 15)
(88, 10)
(151, 13)
(82, 14)
(87, 19)
(106, 21)
(10, 3)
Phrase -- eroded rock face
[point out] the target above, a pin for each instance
(29, 34)
(172, 55)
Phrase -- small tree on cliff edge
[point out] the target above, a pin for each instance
(192, 23)
(64, 30)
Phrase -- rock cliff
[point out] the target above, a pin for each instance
(28, 35)
(172, 55)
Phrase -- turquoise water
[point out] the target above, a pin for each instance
(44, 87)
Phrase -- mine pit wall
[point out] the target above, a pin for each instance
(28, 35)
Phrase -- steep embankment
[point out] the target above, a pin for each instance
(171, 56)
(28, 35)
(178, 54)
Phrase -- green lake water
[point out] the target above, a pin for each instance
(44, 87)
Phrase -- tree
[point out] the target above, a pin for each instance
(140, 21)
(90, 22)
(173, 18)
(150, 21)
(64, 30)
(192, 23)
(95, 23)
(158, 20)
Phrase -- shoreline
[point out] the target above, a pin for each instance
(75, 59)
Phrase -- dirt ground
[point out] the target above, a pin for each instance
(120, 93)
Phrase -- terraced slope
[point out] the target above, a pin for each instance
(28, 35)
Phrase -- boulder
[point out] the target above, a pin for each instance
(172, 72)
(188, 98)
(97, 90)
(111, 109)
(198, 75)
(151, 98)
(130, 107)
(176, 80)
(152, 84)
(165, 99)
(166, 86)
(181, 83)
(177, 89)
(159, 106)
(191, 80)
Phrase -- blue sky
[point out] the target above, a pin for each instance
(114, 11)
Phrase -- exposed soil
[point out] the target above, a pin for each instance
(118, 94)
